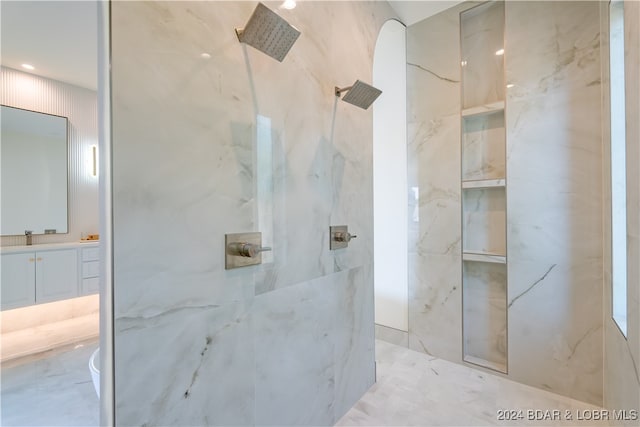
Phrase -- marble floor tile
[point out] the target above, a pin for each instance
(50, 389)
(415, 389)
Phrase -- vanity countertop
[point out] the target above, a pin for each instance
(48, 246)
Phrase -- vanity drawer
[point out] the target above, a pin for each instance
(90, 254)
(90, 269)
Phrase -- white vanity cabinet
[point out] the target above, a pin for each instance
(56, 275)
(45, 273)
(18, 280)
(90, 270)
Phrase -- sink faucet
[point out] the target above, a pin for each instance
(28, 234)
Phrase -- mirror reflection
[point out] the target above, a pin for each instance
(33, 172)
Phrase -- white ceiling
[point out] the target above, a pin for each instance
(411, 12)
(59, 38)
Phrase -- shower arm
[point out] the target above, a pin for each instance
(339, 91)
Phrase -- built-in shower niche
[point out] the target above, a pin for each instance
(484, 221)
(485, 314)
(482, 53)
(484, 187)
(483, 149)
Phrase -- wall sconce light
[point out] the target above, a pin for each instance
(94, 150)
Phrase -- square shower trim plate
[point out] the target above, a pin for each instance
(333, 243)
(234, 261)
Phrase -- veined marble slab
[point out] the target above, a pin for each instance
(221, 143)
(552, 192)
(554, 202)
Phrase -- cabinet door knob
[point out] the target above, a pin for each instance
(38, 259)
(32, 259)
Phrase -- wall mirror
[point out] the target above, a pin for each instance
(33, 174)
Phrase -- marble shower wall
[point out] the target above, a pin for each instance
(433, 130)
(622, 356)
(554, 164)
(240, 142)
(554, 193)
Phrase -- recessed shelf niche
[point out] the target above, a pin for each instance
(485, 314)
(482, 43)
(483, 146)
(484, 220)
(484, 187)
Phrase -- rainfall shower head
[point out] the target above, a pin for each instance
(360, 94)
(268, 32)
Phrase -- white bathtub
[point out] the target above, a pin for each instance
(94, 368)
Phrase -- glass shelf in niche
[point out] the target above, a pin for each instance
(484, 183)
(480, 110)
(479, 256)
(484, 147)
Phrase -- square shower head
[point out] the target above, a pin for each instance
(269, 33)
(362, 95)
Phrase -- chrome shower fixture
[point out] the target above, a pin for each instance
(360, 94)
(268, 32)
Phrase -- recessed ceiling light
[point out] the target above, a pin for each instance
(510, 85)
(205, 55)
(289, 4)
(28, 67)
(500, 52)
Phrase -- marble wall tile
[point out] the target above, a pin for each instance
(208, 146)
(302, 358)
(435, 305)
(555, 197)
(188, 366)
(355, 335)
(328, 337)
(433, 99)
(559, 347)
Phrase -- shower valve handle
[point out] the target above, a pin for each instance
(344, 237)
(248, 250)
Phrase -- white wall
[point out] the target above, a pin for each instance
(31, 92)
(390, 177)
